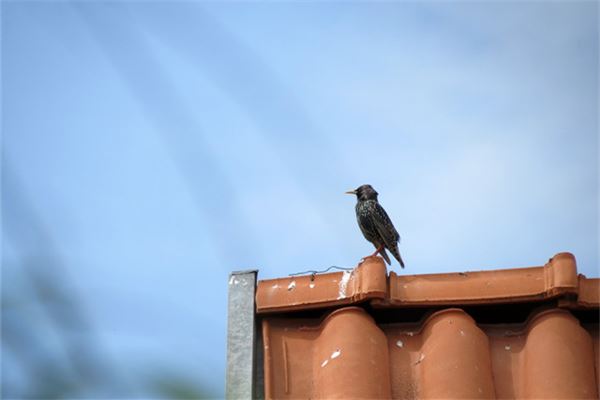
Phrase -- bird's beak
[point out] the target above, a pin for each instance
(350, 192)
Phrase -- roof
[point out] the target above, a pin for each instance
(512, 333)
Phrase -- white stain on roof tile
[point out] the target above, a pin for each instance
(336, 354)
(292, 285)
(343, 284)
(507, 347)
(275, 286)
(421, 358)
(462, 333)
(311, 285)
(333, 355)
(231, 280)
(399, 343)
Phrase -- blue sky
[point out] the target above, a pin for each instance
(150, 148)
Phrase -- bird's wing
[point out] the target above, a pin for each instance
(384, 226)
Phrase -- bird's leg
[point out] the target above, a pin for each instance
(377, 251)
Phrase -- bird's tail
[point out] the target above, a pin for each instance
(385, 256)
(396, 253)
(400, 261)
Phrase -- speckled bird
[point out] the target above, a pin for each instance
(375, 224)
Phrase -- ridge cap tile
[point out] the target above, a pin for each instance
(369, 281)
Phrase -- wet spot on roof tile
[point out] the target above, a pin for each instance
(292, 285)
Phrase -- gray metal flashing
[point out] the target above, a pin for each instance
(242, 337)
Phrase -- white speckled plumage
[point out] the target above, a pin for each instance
(375, 224)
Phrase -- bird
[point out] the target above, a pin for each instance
(375, 224)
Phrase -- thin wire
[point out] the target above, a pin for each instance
(314, 272)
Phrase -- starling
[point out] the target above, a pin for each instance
(375, 223)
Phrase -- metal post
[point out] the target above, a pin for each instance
(241, 336)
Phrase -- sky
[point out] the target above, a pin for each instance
(151, 148)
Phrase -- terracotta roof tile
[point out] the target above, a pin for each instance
(557, 277)
(346, 351)
(367, 281)
(347, 355)
(589, 292)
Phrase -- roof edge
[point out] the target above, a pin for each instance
(369, 281)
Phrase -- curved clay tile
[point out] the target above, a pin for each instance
(595, 334)
(558, 359)
(350, 359)
(455, 359)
